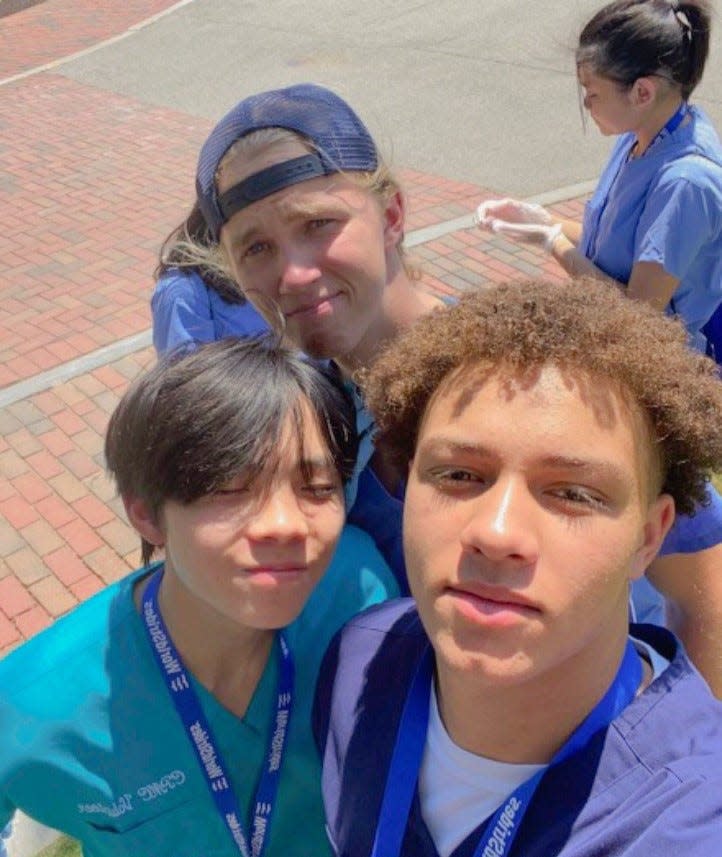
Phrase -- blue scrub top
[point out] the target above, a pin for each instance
(185, 310)
(665, 207)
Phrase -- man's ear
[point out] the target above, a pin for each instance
(394, 219)
(644, 91)
(660, 518)
(140, 516)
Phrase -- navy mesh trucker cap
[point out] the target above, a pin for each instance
(342, 140)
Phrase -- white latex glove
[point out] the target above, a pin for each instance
(520, 221)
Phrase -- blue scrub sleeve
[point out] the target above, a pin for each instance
(692, 533)
(181, 311)
(678, 220)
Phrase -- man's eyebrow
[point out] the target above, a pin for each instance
(292, 209)
(444, 444)
(318, 463)
(601, 467)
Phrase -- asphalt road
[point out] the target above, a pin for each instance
(474, 91)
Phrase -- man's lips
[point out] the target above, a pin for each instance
(276, 568)
(310, 306)
(486, 596)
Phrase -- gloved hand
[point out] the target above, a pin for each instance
(520, 221)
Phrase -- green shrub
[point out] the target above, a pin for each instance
(62, 847)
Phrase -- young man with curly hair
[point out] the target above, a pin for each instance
(310, 222)
(547, 450)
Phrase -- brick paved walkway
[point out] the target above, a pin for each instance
(56, 29)
(91, 183)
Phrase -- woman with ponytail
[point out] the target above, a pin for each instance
(654, 223)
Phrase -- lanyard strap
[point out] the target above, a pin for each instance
(671, 125)
(499, 834)
(201, 737)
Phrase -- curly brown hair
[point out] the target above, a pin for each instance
(583, 326)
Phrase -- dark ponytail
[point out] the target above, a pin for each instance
(629, 39)
(699, 16)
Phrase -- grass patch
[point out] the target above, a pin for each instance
(63, 847)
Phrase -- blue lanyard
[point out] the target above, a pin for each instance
(199, 732)
(500, 832)
(671, 125)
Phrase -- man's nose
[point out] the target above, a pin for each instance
(298, 267)
(501, 522)
(279, 517)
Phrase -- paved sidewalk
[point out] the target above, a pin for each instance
(91, 182)
(55, 29)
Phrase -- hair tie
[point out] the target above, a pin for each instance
(683, 22)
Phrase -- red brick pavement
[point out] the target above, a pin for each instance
(87, 201)
(56, 29)
(63, 535)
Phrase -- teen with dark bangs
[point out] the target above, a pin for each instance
(170, 713)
